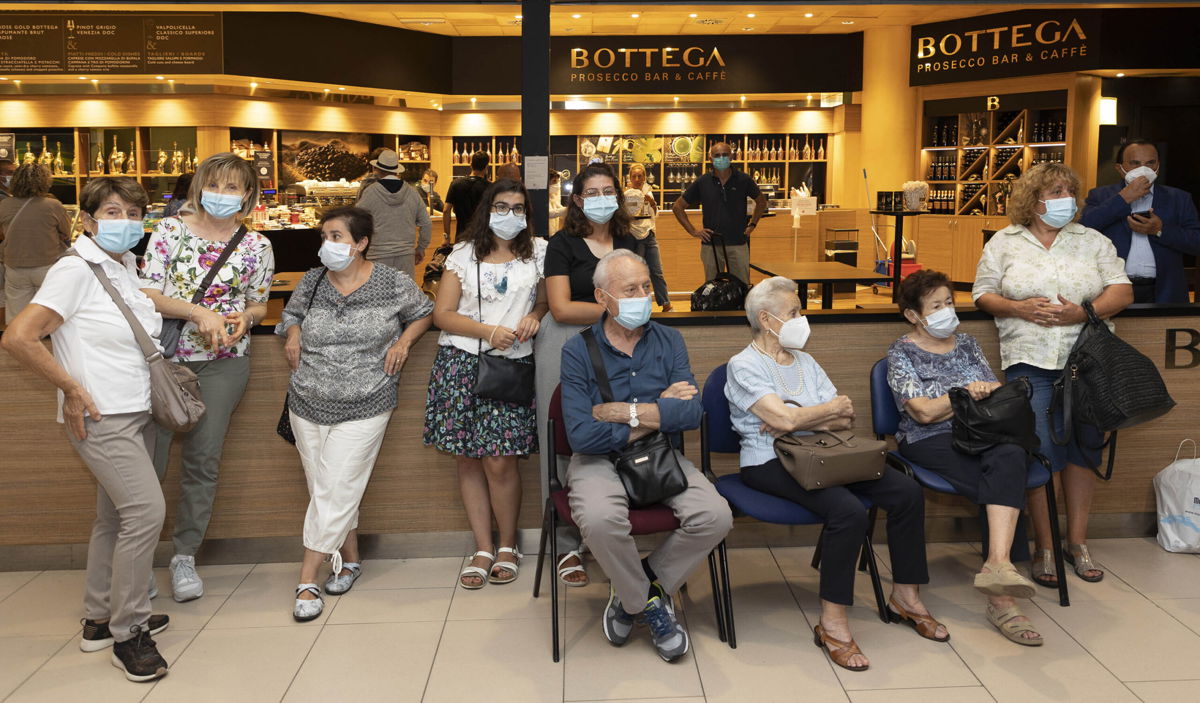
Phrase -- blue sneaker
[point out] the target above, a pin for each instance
(618, 624)
(670, 639)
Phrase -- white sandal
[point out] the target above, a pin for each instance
(477, 571)
(306, 610)
(513, 565)
(564, 570)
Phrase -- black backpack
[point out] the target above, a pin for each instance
(724, 292)
(1107, 384)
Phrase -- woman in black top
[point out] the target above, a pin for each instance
(596, 222)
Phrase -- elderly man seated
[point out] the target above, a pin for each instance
(653, 390)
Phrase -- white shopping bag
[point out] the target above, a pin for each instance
(1177, 489)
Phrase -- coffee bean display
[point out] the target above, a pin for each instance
(329, 162)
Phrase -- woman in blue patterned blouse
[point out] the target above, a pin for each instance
(923, 366)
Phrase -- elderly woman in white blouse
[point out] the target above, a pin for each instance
(1033, 277)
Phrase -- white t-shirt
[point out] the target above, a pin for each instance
(643, 213)
(94, 344)
(509, 292)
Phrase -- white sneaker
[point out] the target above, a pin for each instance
(153, 588)
(185, 582)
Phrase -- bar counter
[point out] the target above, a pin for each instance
(49, 496)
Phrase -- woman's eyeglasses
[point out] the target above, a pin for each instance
(505, 208)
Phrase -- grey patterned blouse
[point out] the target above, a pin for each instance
(343, 343)
(916, 373)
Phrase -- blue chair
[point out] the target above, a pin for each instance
(885, 418)
(717, 435)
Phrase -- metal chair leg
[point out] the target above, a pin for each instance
(537, 577)
(1052, 503)
(873, 569)
(728, 595)
(862, 556)
(554, 583)
(718, 593)
(816, 560)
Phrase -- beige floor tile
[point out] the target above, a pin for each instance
(1135, 640)
(653, 700)
(586, 601)
(1185, 610)
(966, 694)
(265, 599)
(410, 573)
(508, 657)
(219, 579)
(1059, 670)
(192, 615)
(253, 665)
(1165, 691)
(774, 659)
(756, 580)
(72, 675)
(400, 605)
(50, 603)
(899, 657)
(595, 670)
(1141, 563)
(23, 655)
(505, 601)
(364, 662)
(10, 581)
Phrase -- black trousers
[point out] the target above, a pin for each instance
(1144, 289)
(846, 523)
(996, 477)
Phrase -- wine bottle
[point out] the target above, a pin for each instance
(45, 158)
(808, 153)
(821, 151)
(98, 165)
(58, 160)
(116, 159)
(516, 155)
(131, 164)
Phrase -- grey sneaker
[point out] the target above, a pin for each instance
(337, 584)
(306, 610)
(139, 657)
(670, 639)
(185, 582)
(617, 623)
(96, 635)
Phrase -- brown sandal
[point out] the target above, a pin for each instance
(925, 625)
(839, 651)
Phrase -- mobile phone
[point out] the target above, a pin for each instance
(1142, 214)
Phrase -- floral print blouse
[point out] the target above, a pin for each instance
(177, 262)
(1079, 265)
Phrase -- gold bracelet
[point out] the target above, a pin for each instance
(493, 334)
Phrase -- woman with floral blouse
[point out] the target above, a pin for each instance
(1034, 277)
(214, 341)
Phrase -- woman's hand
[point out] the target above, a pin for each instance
(397, 354)
(1068, 313)
(291, 349)
(502, 337)
(772, 430)
(241, 322)
(211, 326)
(841, 406)
(1031, 309)
(981, 389)
(76, 404)
(528, 327)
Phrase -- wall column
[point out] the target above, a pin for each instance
(889, 112)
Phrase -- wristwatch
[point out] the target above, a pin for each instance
(633, 418)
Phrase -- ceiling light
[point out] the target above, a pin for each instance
(439, 108)
(743, 98)
(170, 80)
(253, 85)
(158, 78)
(518, 17)
(326, 90)
(3, 78)
(635, 15)
(693, 15)
(847, 21)
(750, 15)
(676, 98)
(83, 78)
(1120, 75)
(340, 88)
(808, 15)
(810, 96)
(576, 16)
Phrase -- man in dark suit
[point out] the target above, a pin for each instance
(1152, 225)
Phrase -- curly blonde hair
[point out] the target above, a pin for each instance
(1027, 191)
(30, 180)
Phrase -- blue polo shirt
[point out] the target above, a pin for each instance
(724, 205)
(659, 360)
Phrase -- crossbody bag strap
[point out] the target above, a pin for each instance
(149, 351)
(227, 252)
(597, 364)
(479, 297)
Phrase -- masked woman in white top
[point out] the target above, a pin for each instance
(491, 300)
(643, 209)
(103, 386)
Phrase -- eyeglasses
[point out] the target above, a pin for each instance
(505, 208)
(593, 192)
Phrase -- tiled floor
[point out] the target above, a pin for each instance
(405, 633)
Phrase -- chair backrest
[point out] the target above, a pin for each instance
(562, 445)
(721, 435)
(885, 418)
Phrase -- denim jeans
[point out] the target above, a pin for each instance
(1079, 450)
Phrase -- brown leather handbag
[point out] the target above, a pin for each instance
(827, 458)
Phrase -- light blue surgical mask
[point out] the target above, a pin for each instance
(720, 162)
(220, 205)
(1059, 211)
(600, 208)
(632, 312)
(118, 236)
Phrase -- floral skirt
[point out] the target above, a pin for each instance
(459, 422)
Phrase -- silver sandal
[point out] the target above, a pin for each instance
(1042, 567)
(1077, 555)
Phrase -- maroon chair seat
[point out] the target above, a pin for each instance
(642, 521)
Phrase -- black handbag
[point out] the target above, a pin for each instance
(647, 467)
(284, 427)
(1106, 384)
(498, 377)
(724, 292)
(172, 329)
(1004, 417)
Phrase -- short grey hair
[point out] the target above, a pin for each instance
(765, 295)
(600, 276)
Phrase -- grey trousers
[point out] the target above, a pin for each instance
(20, 286)
(547, 356)
(600, 507)
(648, 248)
(713, 258)
(129, 516)
(401, 262)
(222, 383)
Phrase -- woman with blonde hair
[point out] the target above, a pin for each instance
(1034, 277)
(210, 276)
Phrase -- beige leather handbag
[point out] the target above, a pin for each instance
(828, 458)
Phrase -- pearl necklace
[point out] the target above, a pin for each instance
(775, 366)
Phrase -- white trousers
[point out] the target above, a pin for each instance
(337, 460)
